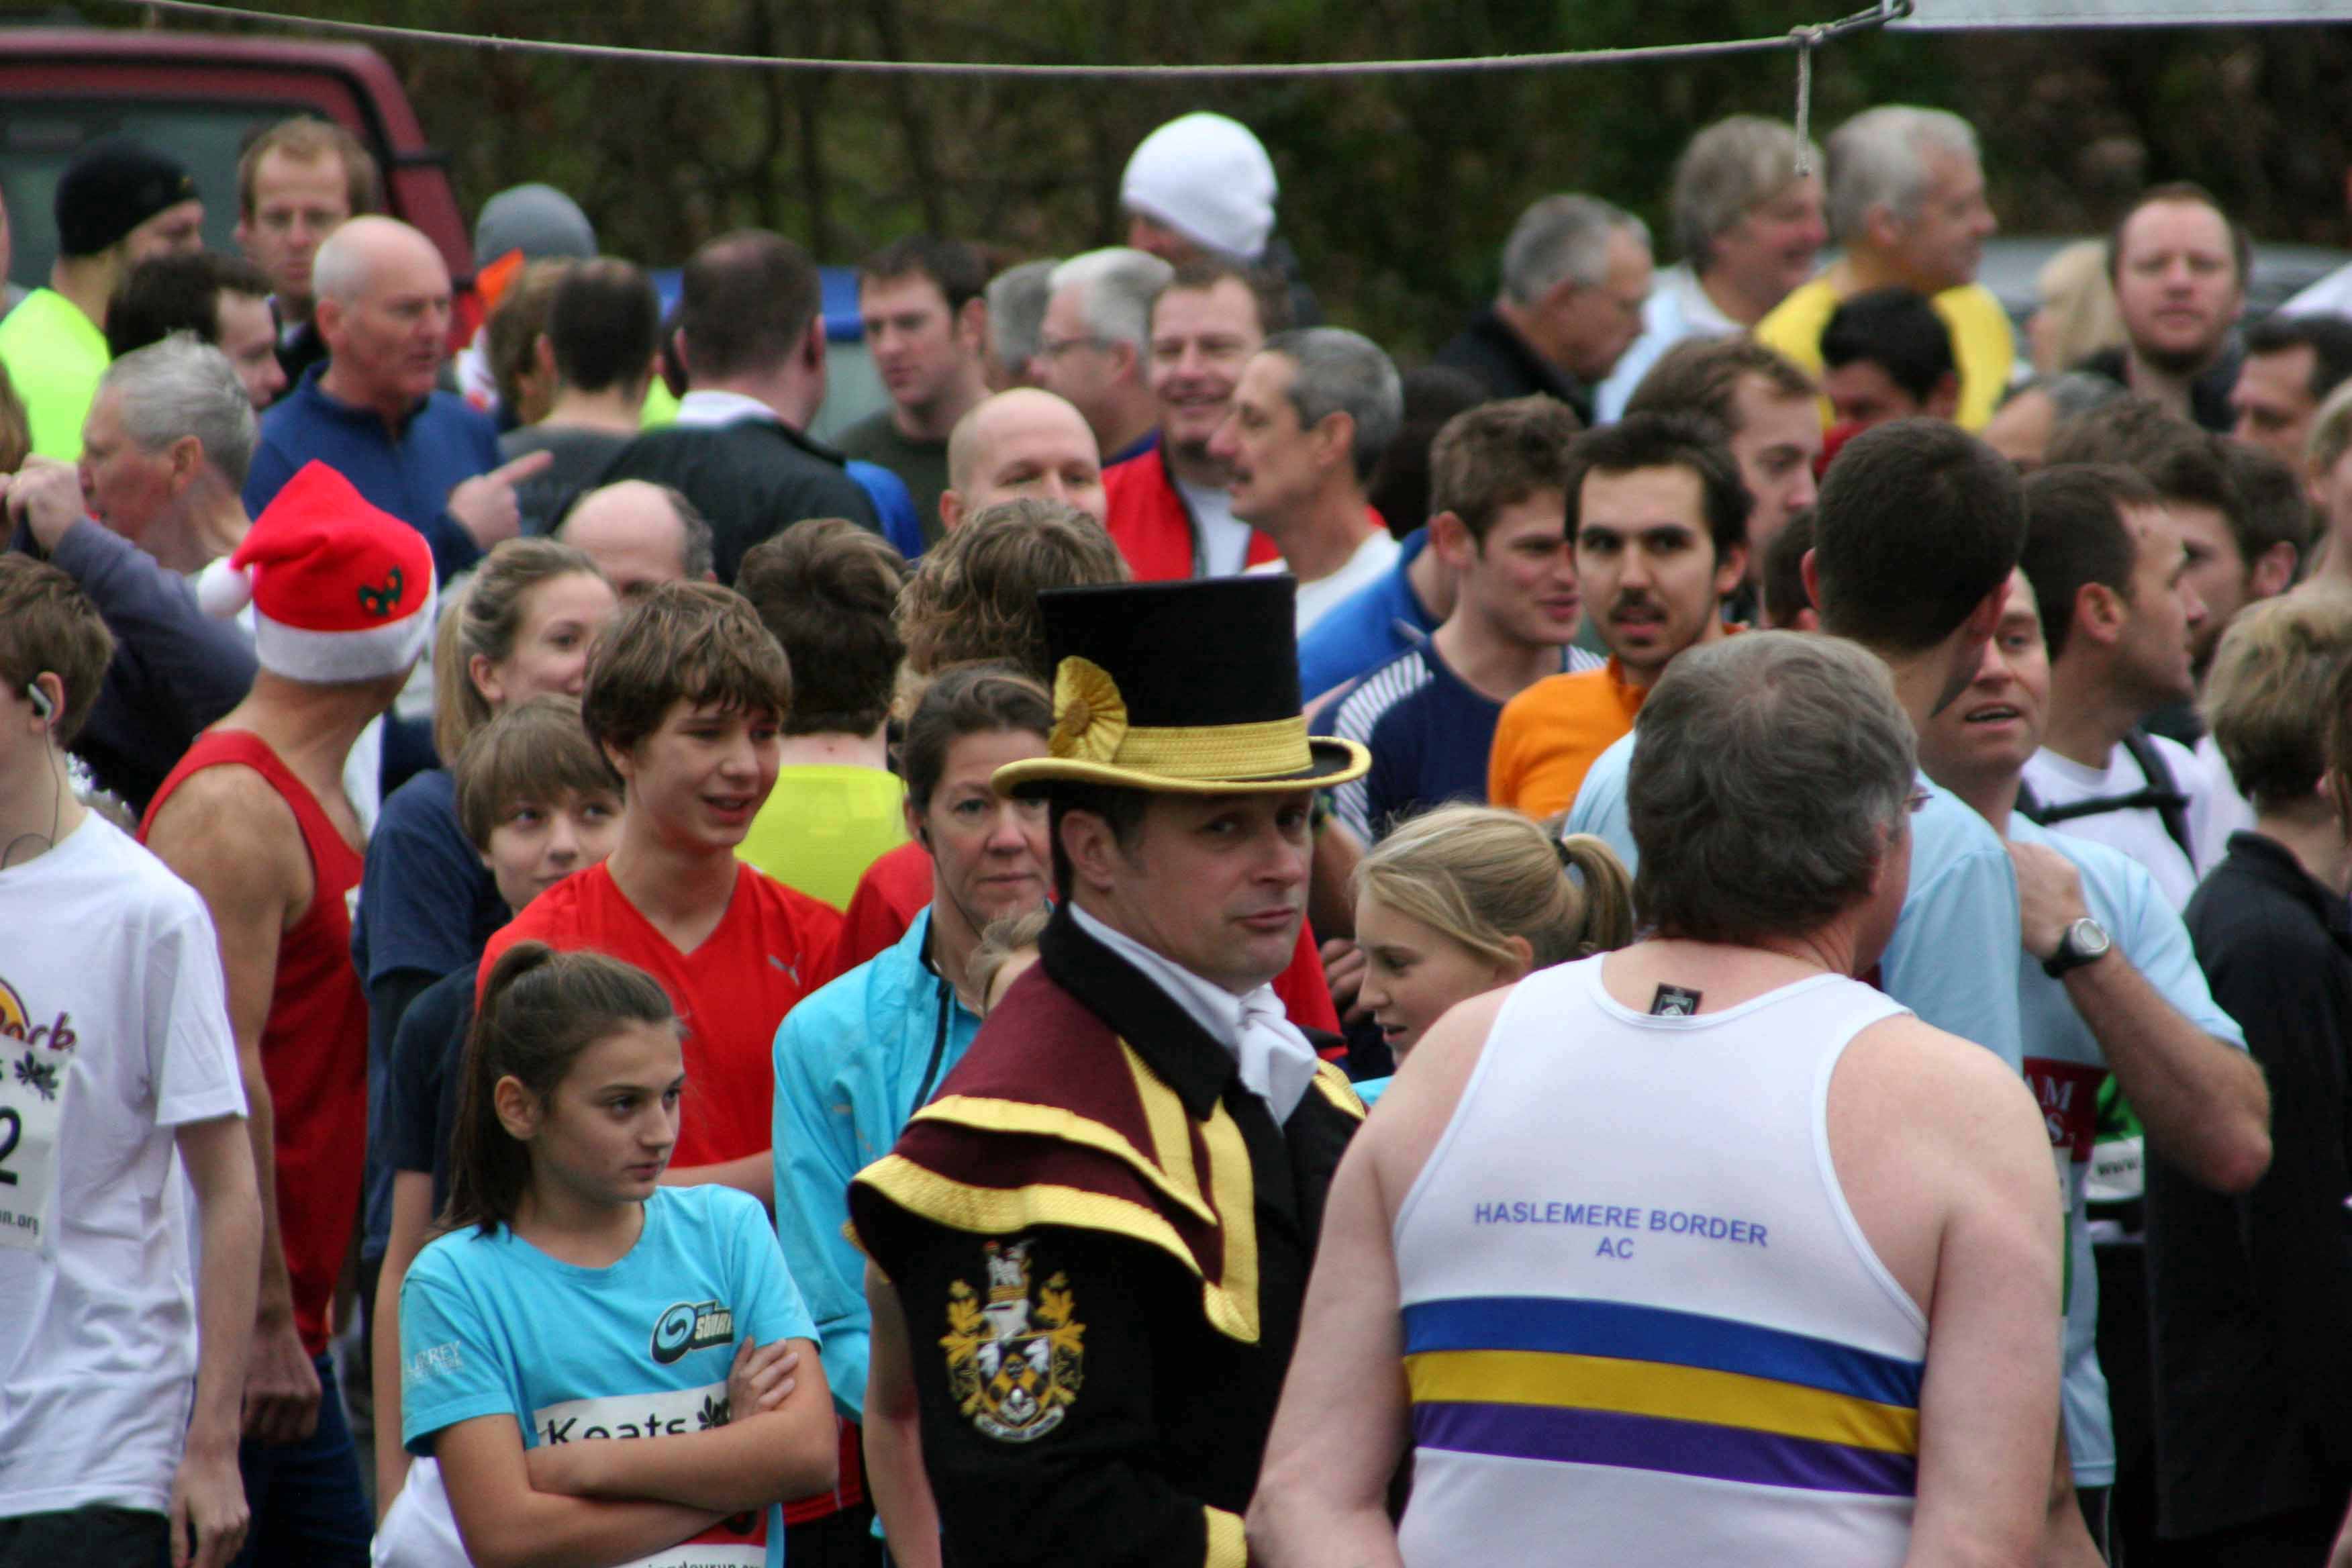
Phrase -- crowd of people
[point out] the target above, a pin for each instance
(1714, 928)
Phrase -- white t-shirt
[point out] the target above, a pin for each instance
(2231, 813)
(113, 1017)
(2140, 831)
(1224, 538)
(1371, 562)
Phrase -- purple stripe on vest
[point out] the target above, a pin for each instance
(1655, 1443)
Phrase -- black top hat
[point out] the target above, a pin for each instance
(1189, 688)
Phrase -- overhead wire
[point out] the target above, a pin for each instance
(1804, 40)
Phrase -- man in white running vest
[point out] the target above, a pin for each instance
(1644, 1258)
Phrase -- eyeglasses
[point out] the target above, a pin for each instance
(1918, 798)
(1054, 348)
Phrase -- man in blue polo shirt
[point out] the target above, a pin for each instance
(2124, 996)
(1499, 531)
(1917, 530)
(371, 411)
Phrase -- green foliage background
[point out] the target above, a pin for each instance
(1396, 193)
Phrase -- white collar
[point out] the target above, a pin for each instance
(708, 407)
(1275, 1061)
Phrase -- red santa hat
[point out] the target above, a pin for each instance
(339, 590)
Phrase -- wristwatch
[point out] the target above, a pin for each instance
(2085, 940)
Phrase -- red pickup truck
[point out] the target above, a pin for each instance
(199, 97)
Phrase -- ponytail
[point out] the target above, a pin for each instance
(1484, 876)
(540, 1010)
(1607, 915)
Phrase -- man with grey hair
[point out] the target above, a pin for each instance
(1797, 1175)
(641, 535)
(153, 502)
(1093, 347)
(1576, 272)
(1907, 203)
(1311, 415)
(1016, 317)
(1748, 219)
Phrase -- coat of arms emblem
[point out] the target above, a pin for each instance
(1013, 1362)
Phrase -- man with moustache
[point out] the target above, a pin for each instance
(1171, 514)
(1658, 524)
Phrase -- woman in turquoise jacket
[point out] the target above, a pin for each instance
(857, 1058)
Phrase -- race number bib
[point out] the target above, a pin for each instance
(740, 1541)
(34, 1063)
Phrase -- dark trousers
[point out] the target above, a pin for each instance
(2279, 1541)
(307, 1509)
(93, 1535)
(841, 1540)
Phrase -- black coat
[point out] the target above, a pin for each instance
(1028, 1212)
(752, 478)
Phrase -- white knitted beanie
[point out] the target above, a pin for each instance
(1208, 178)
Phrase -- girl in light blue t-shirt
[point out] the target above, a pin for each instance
(596, 1367)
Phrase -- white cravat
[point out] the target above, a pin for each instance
(1275, 1062)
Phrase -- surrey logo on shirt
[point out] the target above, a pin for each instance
(1015, 1365)
(691, 1326)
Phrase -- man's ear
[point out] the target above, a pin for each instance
(1729, 568)
(1450, 537)
(1810, 570)
(2271, 572)
(1335, 440)
(327, 314)
(187, 455)
(2100, 614)
(813, 343)
(971, 324)
(951, 510)
(1882, 227)
(685, 359)
(1944, 398)
(1092, 847)
(1125, 360)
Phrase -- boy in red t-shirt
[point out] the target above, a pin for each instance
(686, 696)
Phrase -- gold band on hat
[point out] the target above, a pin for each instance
(1273, 748)
(1091, 726)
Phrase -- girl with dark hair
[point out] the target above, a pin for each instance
(574, 1308)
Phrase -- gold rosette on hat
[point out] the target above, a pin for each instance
(1089, 714)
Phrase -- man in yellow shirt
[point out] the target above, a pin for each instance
(117, 204)
(1908, 203)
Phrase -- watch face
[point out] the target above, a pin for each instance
(2087, 938)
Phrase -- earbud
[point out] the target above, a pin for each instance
(42, 706)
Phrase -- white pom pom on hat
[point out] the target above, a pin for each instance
(340, 590)
(1209, 178)
(222, 590)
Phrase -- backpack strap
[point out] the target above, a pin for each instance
(2161, 794)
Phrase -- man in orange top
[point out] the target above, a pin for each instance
(1658, 519)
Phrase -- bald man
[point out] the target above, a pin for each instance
(371, 412)
(641, 535)
(1025, 442)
